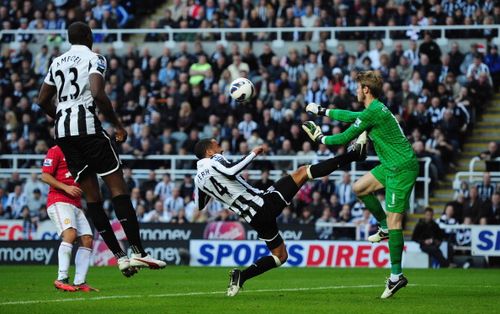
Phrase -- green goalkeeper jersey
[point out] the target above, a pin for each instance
(392, 147)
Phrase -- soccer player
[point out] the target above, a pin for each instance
(397, 172)
(63, 208)
(76, 79)
(220, 179)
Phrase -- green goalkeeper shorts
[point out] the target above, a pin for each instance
(398, 187)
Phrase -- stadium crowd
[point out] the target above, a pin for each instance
(171, 100)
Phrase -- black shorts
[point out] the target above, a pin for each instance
(276, 198)
(89, 154)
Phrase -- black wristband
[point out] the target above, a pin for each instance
(320, 138)
(321, 111)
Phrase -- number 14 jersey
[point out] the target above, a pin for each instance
(69, 73)
(220, 179)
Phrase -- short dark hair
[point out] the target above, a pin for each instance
(78, 33)
(200, 149)
(429, 209)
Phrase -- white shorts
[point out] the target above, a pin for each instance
(65, 216)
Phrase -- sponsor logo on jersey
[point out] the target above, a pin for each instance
(357, 122)
(47, 162)
(67, 221)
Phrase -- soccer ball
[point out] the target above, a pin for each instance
(242, 89)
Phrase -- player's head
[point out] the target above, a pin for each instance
(369, 83)
(80, 33)
(207, 148)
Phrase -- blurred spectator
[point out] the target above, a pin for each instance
(286, 217)
(344, 190)
(428, 234)
(325, 232)
(490, 156)
(16, 201)
(485, 189)
(164, 188)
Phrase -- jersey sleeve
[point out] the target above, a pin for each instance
(50, 162)
(49, 78)
(98, 65)
(231, 169)
(365, 121)
(343, 115)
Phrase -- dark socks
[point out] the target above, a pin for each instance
(126, 214)
(260, 266)
(328, 166)
(101, 223)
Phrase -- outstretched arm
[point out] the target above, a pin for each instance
(232, 169)
(364, 122)
(335, 114)
(343, 115)
(345, 137)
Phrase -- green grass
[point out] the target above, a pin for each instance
(201, 290)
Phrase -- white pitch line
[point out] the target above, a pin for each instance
(167, 295)
(173, 295)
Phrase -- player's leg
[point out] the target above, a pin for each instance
(90, 186)
(278, 257)
(124, 210)
(104, 160)
(398, 191)
(355, 152)
(364, 189)
(82, 258)
(65, 223)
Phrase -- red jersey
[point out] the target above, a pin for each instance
(55, 165)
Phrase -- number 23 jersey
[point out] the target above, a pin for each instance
(69, 73)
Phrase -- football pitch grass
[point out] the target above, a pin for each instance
(29, 289)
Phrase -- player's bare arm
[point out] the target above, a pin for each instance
(104, 105)
(72, 190)
(46, 97)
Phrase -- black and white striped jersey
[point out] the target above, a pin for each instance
(220, 179)
(69, 73)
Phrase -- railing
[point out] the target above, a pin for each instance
(278, 42)
(472, 164)
(175, 172)
(474, 176)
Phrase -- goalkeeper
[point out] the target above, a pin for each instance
(397, 172)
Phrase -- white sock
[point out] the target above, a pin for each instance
(394, 277)
(64, 256)
(82, 263)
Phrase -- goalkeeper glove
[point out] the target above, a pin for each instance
(315, 109)
(313, 131)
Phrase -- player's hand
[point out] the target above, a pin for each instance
(315, 109)
(313, 131)
(73, 191)
(120, 135)
(258, 150)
